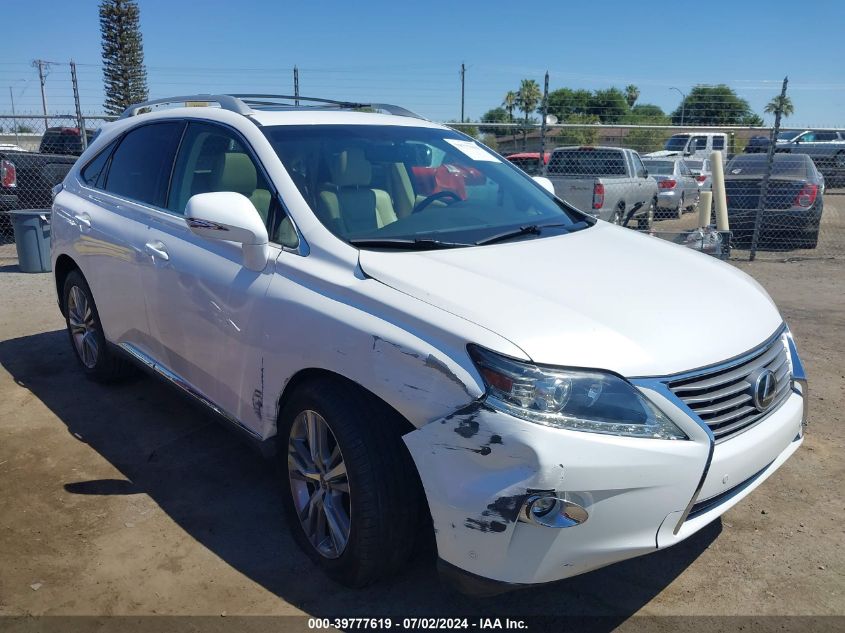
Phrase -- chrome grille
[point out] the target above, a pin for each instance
(722, 395)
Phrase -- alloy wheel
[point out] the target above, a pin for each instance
(319, 484)
(83, 330)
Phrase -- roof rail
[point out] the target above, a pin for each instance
(244, 103)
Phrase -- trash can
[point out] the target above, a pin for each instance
(32, 239)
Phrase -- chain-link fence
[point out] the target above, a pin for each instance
(785, 188)
(36, 152)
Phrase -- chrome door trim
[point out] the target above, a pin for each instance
(174, 378)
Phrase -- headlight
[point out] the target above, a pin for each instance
(591, 401)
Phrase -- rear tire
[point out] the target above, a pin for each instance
(378, 500)
(98, 359)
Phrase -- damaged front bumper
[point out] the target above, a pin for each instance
(480, 466)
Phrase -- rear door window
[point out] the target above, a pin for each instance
(718, 142)
(141, 164)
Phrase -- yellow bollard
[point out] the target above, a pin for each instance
(705, 203)
(718, 169)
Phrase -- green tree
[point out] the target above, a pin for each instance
(527, 100)
(509, 103)
(565, 102)
(582, 135)
(610, 105)
(124, 74)
(22, 128)
(782, 103)
(496, 115)
(632, 93)
(714, 105)
(645, 139)
(647, 114)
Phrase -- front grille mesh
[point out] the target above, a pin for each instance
(721, 396)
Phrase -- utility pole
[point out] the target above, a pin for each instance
(42, 65)
(541, 159)
(770, 159)
(683, 103)
(296, 85)
(463, 86)
(80, 122)
(14, 116)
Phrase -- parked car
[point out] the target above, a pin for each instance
(481, 370)
(529, 162)
(793, 207)
(677, 188)
(699, 145)
(607, 182)
(702, 173)
(63, 140)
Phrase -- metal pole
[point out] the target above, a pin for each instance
(770, 159)
(463, 86)
(683, 103)
(40, 63)
(296, 85)
(80, 122)
(14, 116)
(541, 162)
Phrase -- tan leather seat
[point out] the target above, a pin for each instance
(347, 201)
(237, 173)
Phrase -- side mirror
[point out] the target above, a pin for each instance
(545, 183)
(645, 173)
(231, 217)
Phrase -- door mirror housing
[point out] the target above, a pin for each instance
(545, 183)
(231, 217)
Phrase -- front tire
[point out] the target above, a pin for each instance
(352, 497)
(97, 358)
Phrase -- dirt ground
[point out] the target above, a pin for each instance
(128, 500)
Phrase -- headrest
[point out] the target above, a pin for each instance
(350, 168)
(237, 174)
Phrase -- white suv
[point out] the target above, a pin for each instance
(424, 337)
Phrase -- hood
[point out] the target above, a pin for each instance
(605, 297)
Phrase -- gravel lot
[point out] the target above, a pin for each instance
(128, 500)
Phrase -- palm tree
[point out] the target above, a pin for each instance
(632, 93)
(527, 100)
(780, 103)
(509, 104)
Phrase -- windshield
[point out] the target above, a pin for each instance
(677, 142)
(372, 182)
(784, 166)
(660, 167)
(787, 135)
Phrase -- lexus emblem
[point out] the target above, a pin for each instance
(763, 389)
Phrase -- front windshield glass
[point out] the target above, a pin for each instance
(677, 142)
(375, 182)
(787, 135)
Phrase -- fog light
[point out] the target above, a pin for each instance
(552, 511)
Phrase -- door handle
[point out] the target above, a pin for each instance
(84, 221)
(157, 249)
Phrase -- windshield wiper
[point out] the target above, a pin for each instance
(418, 244)
(532, 229)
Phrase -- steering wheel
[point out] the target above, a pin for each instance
(436, 196)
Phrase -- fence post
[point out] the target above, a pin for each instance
(296, 86)
(541, 160)
(764, 188)
(80, 122)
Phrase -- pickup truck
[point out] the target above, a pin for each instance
(610, 183)
(27, 179)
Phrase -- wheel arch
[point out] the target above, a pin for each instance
(62, 268)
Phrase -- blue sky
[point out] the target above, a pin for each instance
(410, 53)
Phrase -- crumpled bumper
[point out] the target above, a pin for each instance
(479, 465)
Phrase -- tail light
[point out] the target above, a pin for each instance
(598, 195)
(8, 174)
(667, 184)
(701, 178)
(807, 196)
